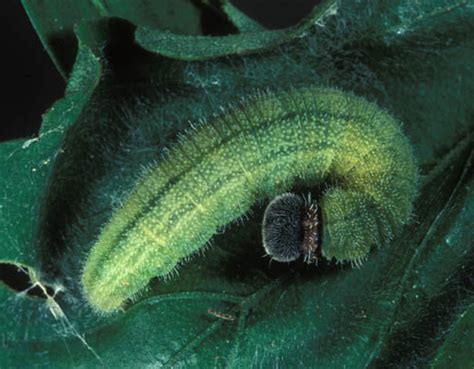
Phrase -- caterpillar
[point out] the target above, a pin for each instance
(252, 152)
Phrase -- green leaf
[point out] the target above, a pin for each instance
(28, 163)
(229, 308)
(457, 350)
(55, 20)
(407, 18)
(204, 47)
(242, 21)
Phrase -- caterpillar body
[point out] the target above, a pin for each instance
(256, 151)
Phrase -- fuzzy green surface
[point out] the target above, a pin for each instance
(252, 152)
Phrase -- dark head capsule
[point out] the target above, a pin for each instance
(290, 228)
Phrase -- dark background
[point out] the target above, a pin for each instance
(29, 82)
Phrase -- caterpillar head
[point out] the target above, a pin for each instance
(291, 228)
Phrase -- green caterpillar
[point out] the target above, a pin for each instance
(255, 151)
